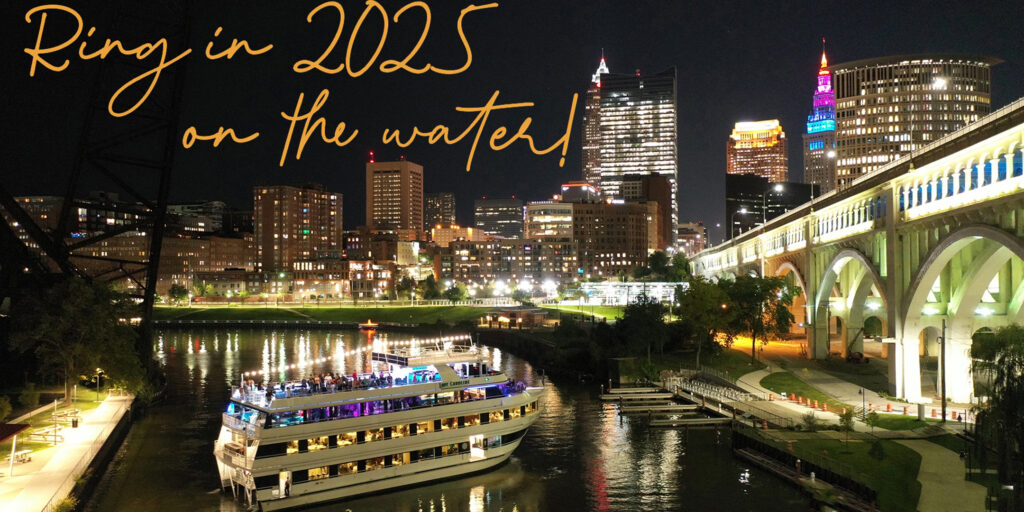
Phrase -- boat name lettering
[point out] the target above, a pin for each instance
(454, 383)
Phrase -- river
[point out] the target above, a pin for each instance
(579, 456)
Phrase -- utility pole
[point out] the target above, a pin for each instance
(942, 368)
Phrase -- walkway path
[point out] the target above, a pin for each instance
(36, 485)
(943, 487)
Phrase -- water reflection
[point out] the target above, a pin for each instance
(580, 454)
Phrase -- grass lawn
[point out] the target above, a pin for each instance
(899, 422)
(894, 477)
(780, 382)
(729, 361)
(609, 312)
(404, 314)
(871, 376)
(226, 313)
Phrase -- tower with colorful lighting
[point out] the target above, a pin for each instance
(820, 139)
(592, 127)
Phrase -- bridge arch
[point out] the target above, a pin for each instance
(864, 281)
(964, 301)
(799, 307)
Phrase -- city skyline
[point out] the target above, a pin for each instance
(716, 94)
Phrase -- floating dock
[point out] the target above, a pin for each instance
(690, 422)
(673, 408)
(624, 397)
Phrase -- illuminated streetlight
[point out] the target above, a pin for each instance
(732, 221)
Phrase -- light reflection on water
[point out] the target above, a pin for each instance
(580, 455)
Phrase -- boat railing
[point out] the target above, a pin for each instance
(295, 389)
(238, 424)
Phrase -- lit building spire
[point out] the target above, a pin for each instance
(824, 60)
(601, 68)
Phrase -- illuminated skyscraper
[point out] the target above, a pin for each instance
(638, 130)
(295, 223)
(499, 217)
(759, 148)
(888, 107)
(592, 128)
(438, 208)
(820, 139)
(394, 198)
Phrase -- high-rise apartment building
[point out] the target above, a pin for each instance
(295, 223)
(638, 130)
(592, 128)
(888, 107)
(438, 208)
(394, 198)
(499, 217)
(820, 139)
(658, 189)
(758, 148)
(751, 201)
(693, 238)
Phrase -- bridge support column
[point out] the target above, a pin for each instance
(853, 337)
(905, 370)
(959, 379)
(819, 339)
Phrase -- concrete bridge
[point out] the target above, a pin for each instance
(930, 245)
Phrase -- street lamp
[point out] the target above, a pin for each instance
(764, 202)
(732, 221)
(99, 382)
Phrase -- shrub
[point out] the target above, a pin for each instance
(877, 452)
(29, 396)
(5, 407)
(810, 422)
(66, 505)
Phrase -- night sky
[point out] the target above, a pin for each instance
(736, 61)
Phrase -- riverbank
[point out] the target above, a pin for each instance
(430, 315)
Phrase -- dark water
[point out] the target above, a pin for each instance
(579, 455)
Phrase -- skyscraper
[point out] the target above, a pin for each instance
(638, 130)
(438, 208)
(294, 223)
(888, 107)
(592, 128)
(820, 139)
(394, 198)
(499, 217)
(758, 148)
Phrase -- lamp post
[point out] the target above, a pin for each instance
(764, 202)
(942, 369)
(99, 382)
(732, 222)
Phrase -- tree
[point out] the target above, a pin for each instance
(521, 296)
(704, 308)
(429, 289)
(405, 286)
(1001, 357)
(846, 424)
(643, 324)
(680, 269)
(456, 293)
(810, 421)
(657, 262)
(177, 293)
(761, 307)
(203, 290)
(75, 327)
(872, 420)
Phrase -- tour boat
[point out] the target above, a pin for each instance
(425, 414)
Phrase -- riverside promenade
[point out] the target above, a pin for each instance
(43, 482)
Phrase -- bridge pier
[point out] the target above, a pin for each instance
(819, 339)
(905, 369)
(959, 378)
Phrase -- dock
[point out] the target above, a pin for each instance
(665, 408)
(690, 422)
(626, 391)
(623, 397)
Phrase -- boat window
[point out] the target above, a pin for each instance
(400, 459)
(262, 482)
(424, 427)
(497, 416)
(485, 418)
(450, 449)
(348, 468)
(271, 449)
(448, 423)
(425, 454)
(374, 463)
(348, 438)
(376, 434)
(400, 431)
(493, 392)
(318, 443)
(472, 420)
(513, 413)
(293, 447)
(318, 473)
(445, 398)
